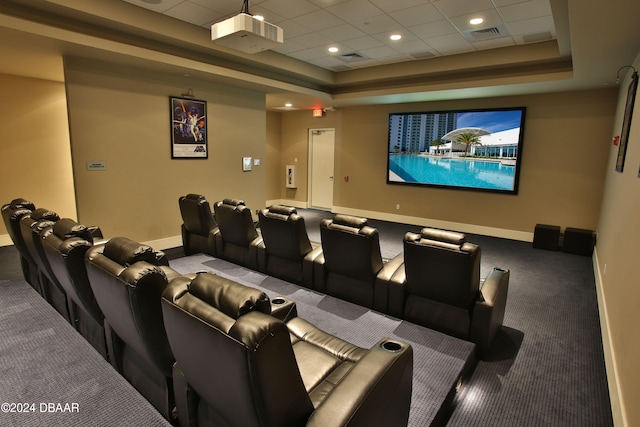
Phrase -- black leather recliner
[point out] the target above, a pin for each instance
(31, 227)
(64, 247)
(439, 286)
(12, 213)
(351, 262)
(199, 228)
(239, 237)
(286, 251)
(127, 279)
(243, 367)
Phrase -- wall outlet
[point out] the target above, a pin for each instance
(398, 206)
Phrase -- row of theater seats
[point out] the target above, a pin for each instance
(434, 282)
(52, 259)
(205, 350)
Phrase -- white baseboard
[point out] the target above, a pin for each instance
(5, 240)
(447, 225)
(166, 243)
(617, 406)
(425, 222)
(160, 244)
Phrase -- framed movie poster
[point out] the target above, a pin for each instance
(188, 128)
(626, 123)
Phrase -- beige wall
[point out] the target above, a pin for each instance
(122, 119)
(35, 161)
(566, 143)
(274, 173)
(616, 257)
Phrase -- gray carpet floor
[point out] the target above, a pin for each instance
(547, 367)
(51, 376)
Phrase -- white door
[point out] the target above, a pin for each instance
(321, 142)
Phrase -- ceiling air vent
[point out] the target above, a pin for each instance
(489, 33)
(422, 55)
(352, 57)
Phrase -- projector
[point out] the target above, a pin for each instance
(245, 33)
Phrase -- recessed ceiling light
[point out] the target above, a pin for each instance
(333, 49)
(395, 37)
(476, 21)
(288, 105)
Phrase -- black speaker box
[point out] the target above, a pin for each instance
(546, 237)
(578, 241)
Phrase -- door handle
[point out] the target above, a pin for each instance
(331, 178)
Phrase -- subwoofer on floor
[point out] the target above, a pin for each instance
(578, 241)
(546, 237)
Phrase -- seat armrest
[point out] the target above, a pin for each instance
(169, 272)
(261, 254)
(488, 312)
(308, 265)
(283, 308)
(381, 286)
(212, 241)
(397, 291)
(319, 274)
(377, 390)
(252, 262)
(219, 244)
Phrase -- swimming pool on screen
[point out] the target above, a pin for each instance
(494, 174)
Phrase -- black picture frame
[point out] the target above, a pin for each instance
(626, 122)
(188, 128)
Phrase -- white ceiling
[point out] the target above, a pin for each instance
(361, 28)
(542, 46)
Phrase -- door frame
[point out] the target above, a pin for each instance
(310, 164)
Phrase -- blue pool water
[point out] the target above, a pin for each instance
(449, 171)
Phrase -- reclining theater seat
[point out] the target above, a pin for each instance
(238, 235)
(250, 369)
(286, 251)
(31, 227)
(199, 228)
(65, 245)
(350, 262)
(11, 214)
(439, 286)
(127, 279)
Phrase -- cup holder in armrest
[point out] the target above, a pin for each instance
(392, 346)
(283, 308)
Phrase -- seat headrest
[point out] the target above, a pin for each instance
(67, 228)
(196, 197)
(21, 203)
(231, 298)
(282, 210)
(126, 252)
(233, 202)
(349, 224)
(349, 221)
(444, 236)
(44, 214)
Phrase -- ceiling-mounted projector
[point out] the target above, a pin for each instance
(245, 33)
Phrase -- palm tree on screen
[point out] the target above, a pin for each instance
(437, 143)
(468, 138)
